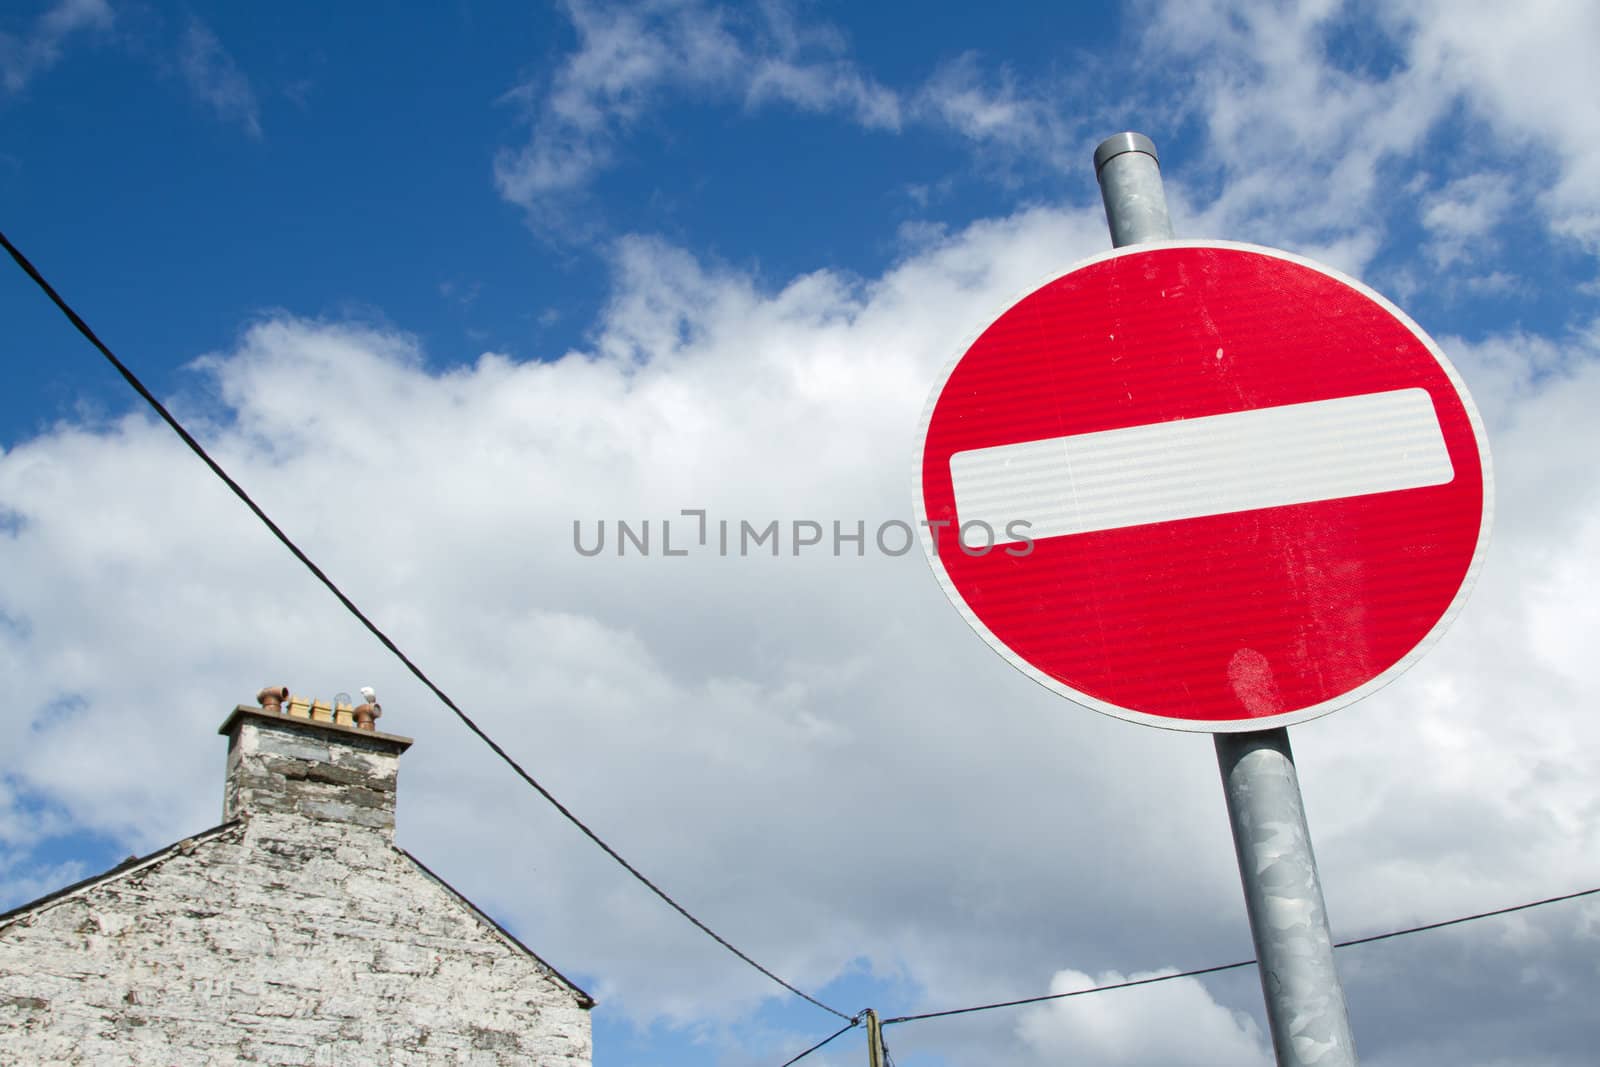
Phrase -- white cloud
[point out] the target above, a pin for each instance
(634, 59)
(1113, 1029)
(39, 879)
(1000, 116)
(1302, 128)
(1295, 142)
(1528, 70)
(1463, 213)
(214, 78)
(1310, 110)
(807, 66)
(23, 58)
(631, 58)
(956, 93)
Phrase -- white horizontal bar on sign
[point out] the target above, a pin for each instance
(1189, 468)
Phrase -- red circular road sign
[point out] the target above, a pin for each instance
(1206, 486)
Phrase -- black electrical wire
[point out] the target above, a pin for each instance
(851, 1026)
(383, 638)
(1062, 996)
(1466, 918)
(1206, 970)
(1244, 963)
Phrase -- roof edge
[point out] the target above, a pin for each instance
(131, 865)
(584, 1000)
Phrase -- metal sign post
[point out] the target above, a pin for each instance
(1283, 895)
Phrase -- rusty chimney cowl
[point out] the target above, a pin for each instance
(367, 715)
(272, 697)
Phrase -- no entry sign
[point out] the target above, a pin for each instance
(1205, 485)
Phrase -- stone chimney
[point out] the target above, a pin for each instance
(310, 759)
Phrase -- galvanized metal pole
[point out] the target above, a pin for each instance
(1282, 893)
(1130, 184)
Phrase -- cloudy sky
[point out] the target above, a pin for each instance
(437, 286)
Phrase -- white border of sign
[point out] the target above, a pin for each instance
(1232, 725)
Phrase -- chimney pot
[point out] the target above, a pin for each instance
(367, 715)
(272, 697)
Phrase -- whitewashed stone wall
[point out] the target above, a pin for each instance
(285, 937)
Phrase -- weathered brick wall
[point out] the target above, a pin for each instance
(285, 938)
(285, 765)
(281, 941)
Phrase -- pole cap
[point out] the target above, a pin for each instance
(1117, 144)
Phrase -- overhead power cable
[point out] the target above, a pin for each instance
(850, 1026)
(372, 628)
(1075, 993)
(1197, 972)
(1466, 918)
(1242, 963)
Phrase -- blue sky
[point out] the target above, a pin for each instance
(438, 283)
